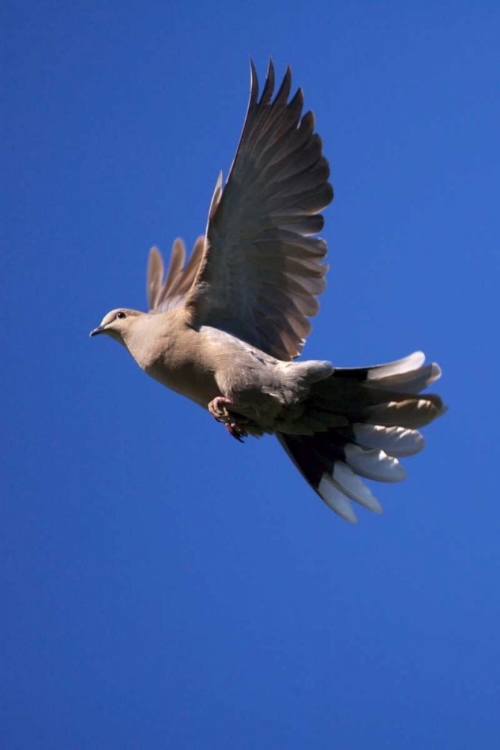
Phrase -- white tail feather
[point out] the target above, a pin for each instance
(354, 488)
(395, 441)
(374, 464)
(410, 413)
(400, 366)
(409, 382)
(336, 499)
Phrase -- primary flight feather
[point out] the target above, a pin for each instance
(225, 326)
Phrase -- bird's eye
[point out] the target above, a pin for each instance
(121, 315)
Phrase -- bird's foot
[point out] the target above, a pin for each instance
(236, 431)
(232, 422)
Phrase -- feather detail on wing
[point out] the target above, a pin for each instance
(165, 292)
(261, 270)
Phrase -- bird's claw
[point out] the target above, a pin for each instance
(233, 423)
(236, 431)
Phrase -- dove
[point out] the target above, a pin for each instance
(226, 324)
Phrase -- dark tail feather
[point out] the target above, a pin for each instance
(378, 410)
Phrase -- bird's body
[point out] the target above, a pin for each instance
(170, 351)
(225, 328)
(207, 363)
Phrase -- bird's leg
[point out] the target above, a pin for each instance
(232, 422)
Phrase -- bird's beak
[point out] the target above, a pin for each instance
(99, 329)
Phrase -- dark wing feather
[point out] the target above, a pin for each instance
(261, 270)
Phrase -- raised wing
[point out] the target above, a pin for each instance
(165, 292)
(262, 271)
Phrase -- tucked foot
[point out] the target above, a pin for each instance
(232, 422)
(218, 408)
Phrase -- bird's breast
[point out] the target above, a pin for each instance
(186, 367)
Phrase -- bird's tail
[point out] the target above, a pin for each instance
(368, 418)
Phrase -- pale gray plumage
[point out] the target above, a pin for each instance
(225, 326)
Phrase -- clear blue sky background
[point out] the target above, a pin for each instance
(161, 585)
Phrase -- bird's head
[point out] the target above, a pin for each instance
(118, 324)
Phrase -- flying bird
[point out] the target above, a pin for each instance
(226, 325)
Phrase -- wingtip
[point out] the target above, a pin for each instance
(254, 83)
(154, 276)
(155, 261)
(216, 196)
(267, 91)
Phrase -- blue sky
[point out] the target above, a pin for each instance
(162, 585)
